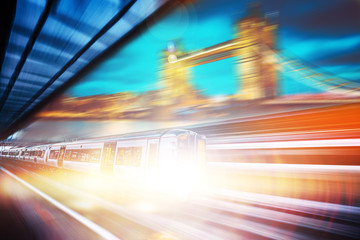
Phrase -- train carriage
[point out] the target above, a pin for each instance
(159, 154)
(37, 154)
(135, 156)
(20, 150)
(51, 158)
(82, 157)
(25, 154)
(13, 153)
(130, 158)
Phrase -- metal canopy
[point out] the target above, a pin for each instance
(51, 41)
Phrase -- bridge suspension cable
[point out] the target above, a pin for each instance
(315, 78)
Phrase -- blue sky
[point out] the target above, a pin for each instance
(323, 33)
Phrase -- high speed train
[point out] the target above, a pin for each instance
(132, 155)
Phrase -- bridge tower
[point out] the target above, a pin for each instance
(175, 76)
(256, 64)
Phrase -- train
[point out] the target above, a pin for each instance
(134, 155)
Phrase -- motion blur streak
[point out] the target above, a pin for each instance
(290, 168)
(94, 227)
(300, 205)
(210, 120)
(212, 214)
(292, 144)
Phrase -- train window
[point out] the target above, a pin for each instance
(54, 154)
(94, 155)
(182, 141)
(129, 156)
(83, 156)
(108, 155)
(120, 158)
(136, 156)
(67, 156)
(152, 155)
(74, 155)
(123, 157)
(183, 150)
(86, 155)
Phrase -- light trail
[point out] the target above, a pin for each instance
(344, 212)
(249, 226)
(91, 225)
(230, 213)
(200, 52)
(155, 222)
(272, 215)
(258, 137)
(288, 168)
(289, 144)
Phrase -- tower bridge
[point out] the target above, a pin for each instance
(256, 70)
(257, 63)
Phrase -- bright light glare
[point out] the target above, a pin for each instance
(145, 207)
(180, 182)
(90, 183)
(84, 205)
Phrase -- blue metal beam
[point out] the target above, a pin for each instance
(27, 50)
(102, 31)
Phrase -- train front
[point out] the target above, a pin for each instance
(181, 162)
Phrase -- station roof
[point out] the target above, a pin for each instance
(49, 43)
